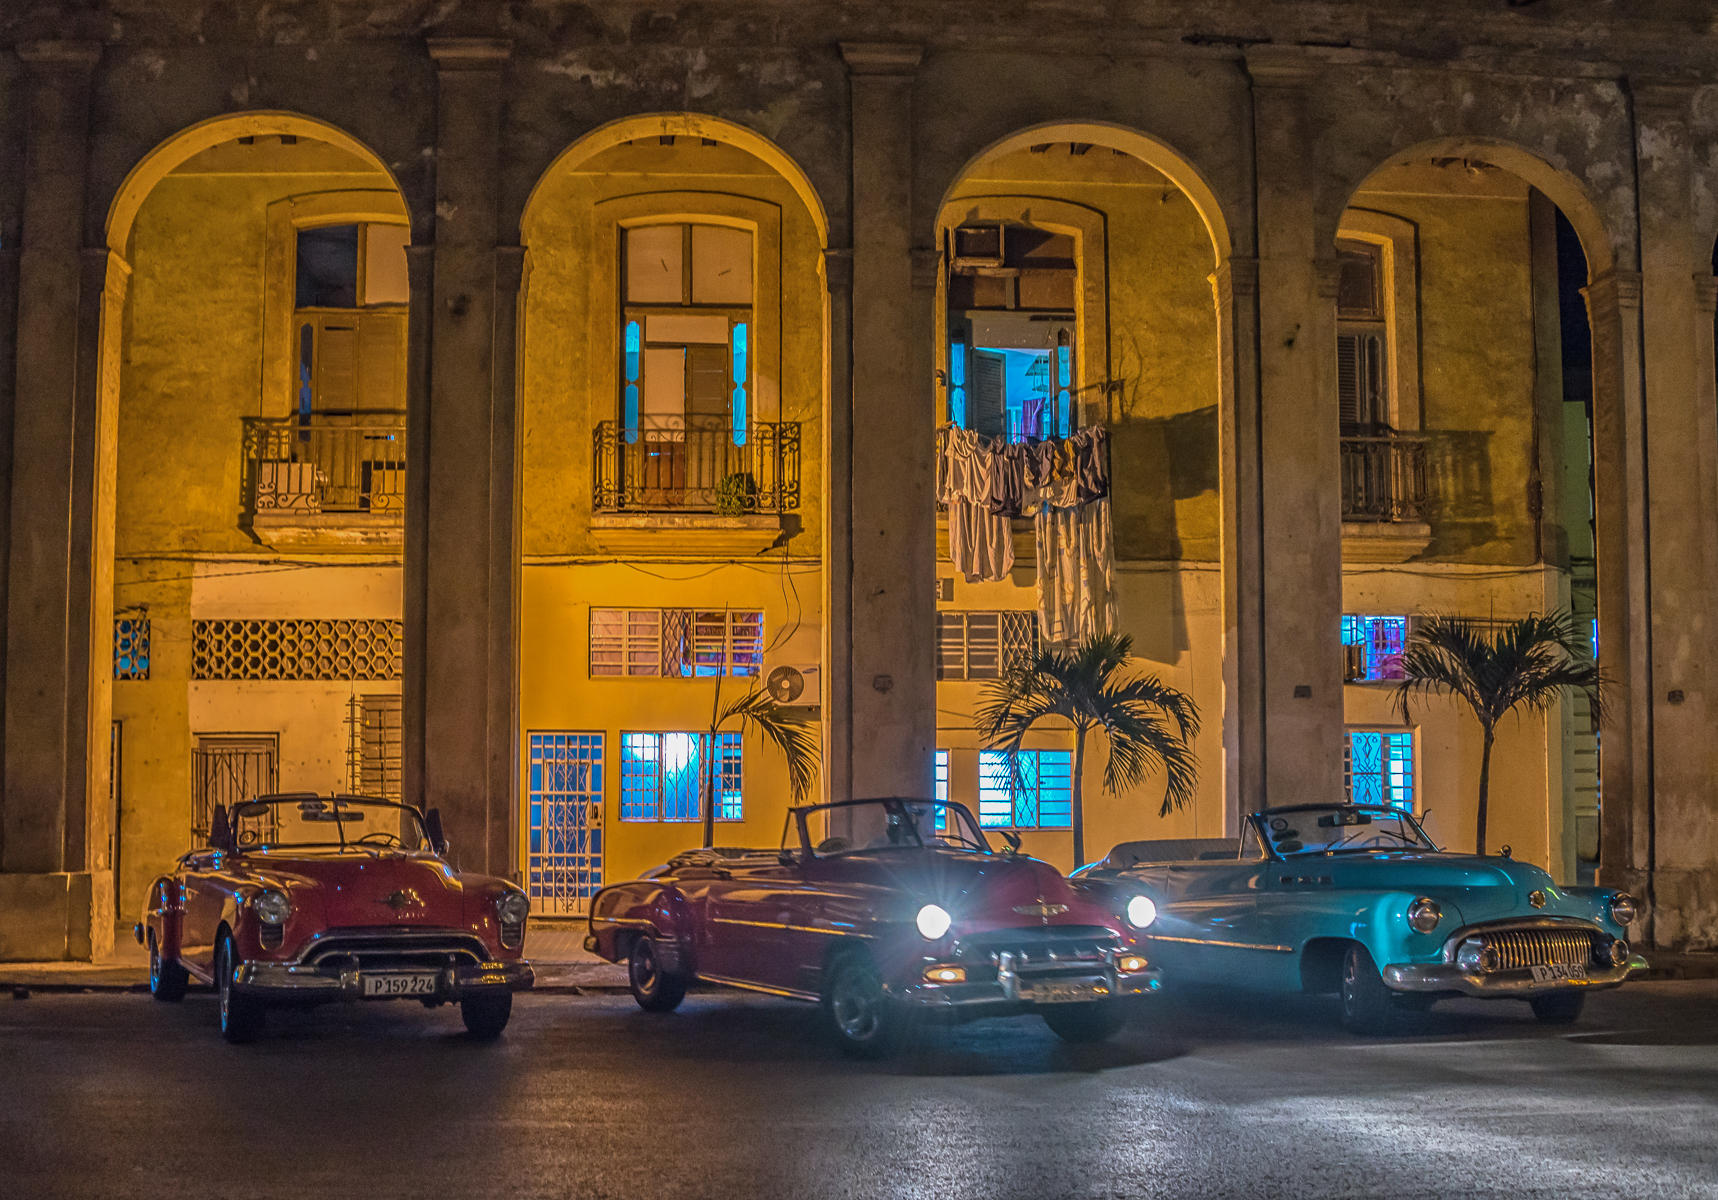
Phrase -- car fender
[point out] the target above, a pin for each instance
(651, 907)
(164, 916)
(1379, 922)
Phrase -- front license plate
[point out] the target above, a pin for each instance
(1558, 973)
(1063, 993)
(399, 985)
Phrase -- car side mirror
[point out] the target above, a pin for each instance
(220, 829)
(1013, 840)
(432, 826)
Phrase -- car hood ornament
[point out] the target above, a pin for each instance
(1041, 910)
(401, 899)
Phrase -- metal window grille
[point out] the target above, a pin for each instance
(360, 649)
(941, 792)
(564, 866)
(983, 644)
(676, 643)
(373, 746)
(131, 648)
(1378, 767)
(661, 776)
(227, 768)
(1372, 646)
(1033, 791)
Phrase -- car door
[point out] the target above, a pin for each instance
(750, 909)
(1209, 925)
(204, 897)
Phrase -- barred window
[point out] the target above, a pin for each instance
(1372, 647)
(1378, 767)
(373, 752)
(363, 649)
(131, 647)
(983, 645)
(1034, 791)
(676, 643)
(661, 776)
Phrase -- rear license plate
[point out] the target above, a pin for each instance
(399, 985)
(1063, 993)
(1558, 973)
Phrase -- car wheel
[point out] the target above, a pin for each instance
(1097, 1022)
(1368, 1006)
(486, 1016)
(241, 1015)
(167, 980)
(1559, 1008)
(866, 1023)
(657, 990)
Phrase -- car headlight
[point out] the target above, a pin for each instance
(1475, 955)
(1424, 914)
(272, 906)
(512, 907)
(1140, 912)
(933, 921)
(1623, 908)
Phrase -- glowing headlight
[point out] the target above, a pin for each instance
(1623, 909)
(1141, 912)
(1424, 915)
(933, 921)
(512, 907)
(272, 907)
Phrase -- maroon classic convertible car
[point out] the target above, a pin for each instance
(883, 910)
(304, 898)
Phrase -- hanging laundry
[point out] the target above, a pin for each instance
(980, 541)
(1076, 573)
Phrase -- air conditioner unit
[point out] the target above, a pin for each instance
(799, 685)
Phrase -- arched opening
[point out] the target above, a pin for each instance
(1465, 396)
(673, 395)
(1074, 308)
(252, 477)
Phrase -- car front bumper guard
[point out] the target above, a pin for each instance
(1012, 990)
(1519, 984)
(453, 983)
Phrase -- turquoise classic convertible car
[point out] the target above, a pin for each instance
(1357, 900)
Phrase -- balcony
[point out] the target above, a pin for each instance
(325, 478)
(1384, 497)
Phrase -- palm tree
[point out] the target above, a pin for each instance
(1147, 723)
(1525, 664)
(790, 731)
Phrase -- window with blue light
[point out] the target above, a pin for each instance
(1064, 384)
(1378, 767)
(131, 648)
(957, 382)
(738, 354)
(1035, 791)
(661, 776)
(1373, 647)
(633, 359)
(941, 793)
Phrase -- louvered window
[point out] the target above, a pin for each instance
(350, 318)
(676, 643)
(1362, 346)
(983, 645)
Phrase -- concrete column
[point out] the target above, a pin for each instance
(1235, 286)
(459, 631)
(1682, 848)
(1625, 614)
(49, 851)
(890, 490)
(837, 530)
(420, 332)
(1300, 531)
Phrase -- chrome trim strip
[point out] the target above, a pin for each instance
(790, 928)
(788, 993)
(1158, 937)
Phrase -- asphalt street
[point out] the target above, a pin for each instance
(734, 1096)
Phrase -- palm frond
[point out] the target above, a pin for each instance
(789, 731)
(1526, 664)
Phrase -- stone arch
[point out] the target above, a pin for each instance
(1154, 152)
(685, 124)
(194, 139)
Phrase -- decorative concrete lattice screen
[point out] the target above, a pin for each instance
(131, 648)
(296, 650)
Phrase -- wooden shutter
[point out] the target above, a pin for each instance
(336, 386)
(985, 405)
(381, 379)
(707, 386)
(1360, 381)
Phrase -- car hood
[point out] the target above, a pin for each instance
(1000, 891)
(1423, 871)
(369, 888)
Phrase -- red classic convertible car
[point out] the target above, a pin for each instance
(302, 898)
(883, 910)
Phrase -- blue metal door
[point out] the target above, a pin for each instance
(566, 787)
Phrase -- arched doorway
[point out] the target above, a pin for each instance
(673, 381)
(250, 478)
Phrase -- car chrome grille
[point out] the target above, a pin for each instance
(1518, 949)
(398, 952)
(1033, 951)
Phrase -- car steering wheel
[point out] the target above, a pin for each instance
(389, 839)
(832, 845)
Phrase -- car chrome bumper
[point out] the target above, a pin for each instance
(1448, 977)
(454, 983)
(1014, 993)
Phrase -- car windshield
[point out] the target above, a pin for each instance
(1339, 829)
(894, 824)
(326, 821)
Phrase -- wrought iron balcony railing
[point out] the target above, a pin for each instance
(1384, 478)
(325, 464)
(696, 468)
